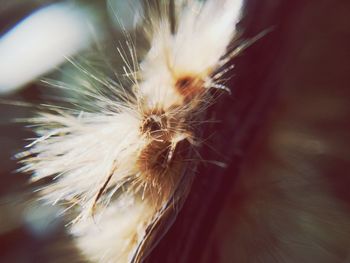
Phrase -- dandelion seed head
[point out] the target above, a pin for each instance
(118, 165)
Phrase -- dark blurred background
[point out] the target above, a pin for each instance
(284, 134)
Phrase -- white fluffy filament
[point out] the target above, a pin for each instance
(116, 168)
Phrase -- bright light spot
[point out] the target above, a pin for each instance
(41, 42)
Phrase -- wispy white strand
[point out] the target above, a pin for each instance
(112, 167)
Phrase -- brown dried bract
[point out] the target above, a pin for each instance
(190, 86)
(159, 162)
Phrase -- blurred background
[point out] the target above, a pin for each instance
(284, 132)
